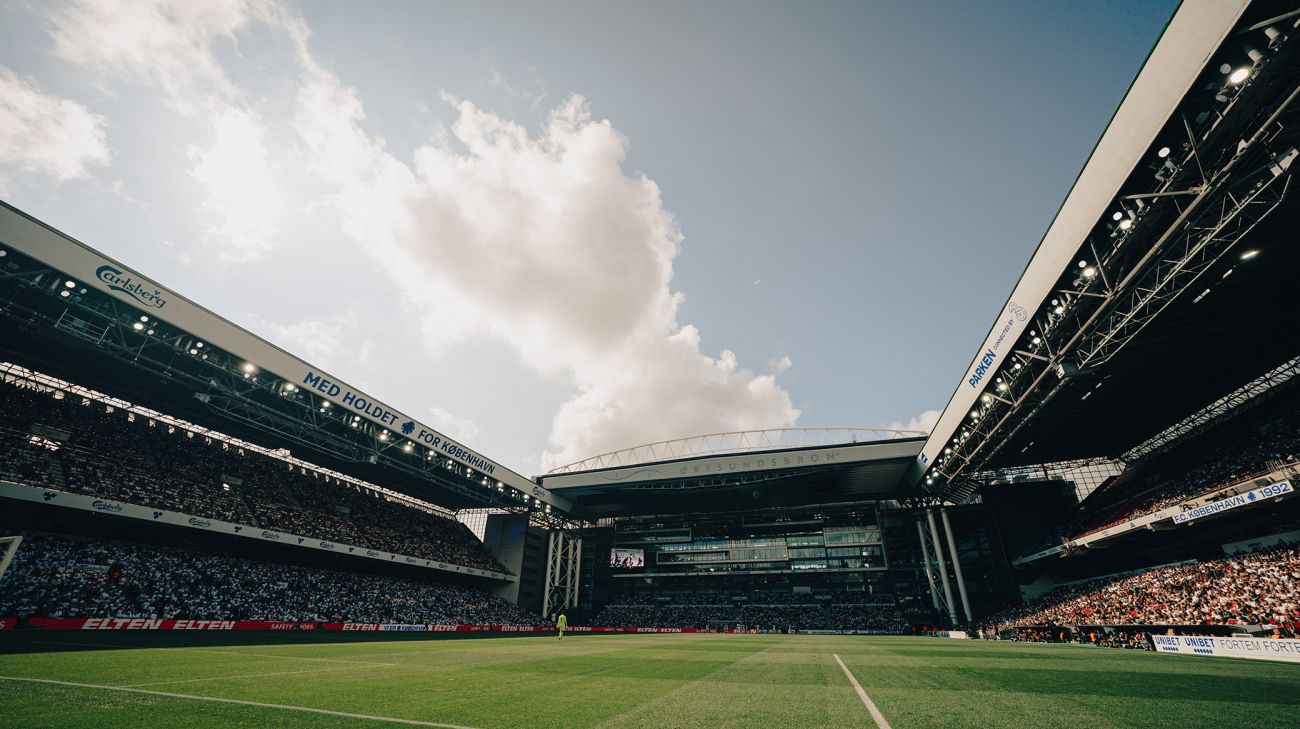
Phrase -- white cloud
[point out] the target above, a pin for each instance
(461, 429)
(925, 422)
(169, 44)
(335, 345)
(548, 245)
(242, 192)
(46, 134)
(165, 43)
(542, 242)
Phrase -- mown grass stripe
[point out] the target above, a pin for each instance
(259, 704)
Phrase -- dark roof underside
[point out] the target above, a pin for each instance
(1189, 356)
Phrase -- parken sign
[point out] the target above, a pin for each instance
(1232, 647)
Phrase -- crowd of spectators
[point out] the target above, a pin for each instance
(1201, 468)
(1229, 454)
(846, 611)
(1098, 636)
(54, 576)
(74, 445)
(1253, 589)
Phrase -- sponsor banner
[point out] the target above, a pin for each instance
(961, 634)
(154, 624)
(1254, 496)
(146, 513)
(435, 628)
(8, 623)
(1040, 555)
(1267, 649)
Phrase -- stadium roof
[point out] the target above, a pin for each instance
(74, 313)
(782, 477)
(1164, 281)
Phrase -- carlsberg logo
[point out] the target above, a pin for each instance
(118, 281)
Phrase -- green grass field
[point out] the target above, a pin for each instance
(623, 681)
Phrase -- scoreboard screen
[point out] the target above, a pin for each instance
(627, 559)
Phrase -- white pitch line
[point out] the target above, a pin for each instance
(210, 650)
(218, 699)
(881, 722)
(242, 675)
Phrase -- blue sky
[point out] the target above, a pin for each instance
(560, 229)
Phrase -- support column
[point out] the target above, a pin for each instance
(956, 564)
(577, 575)
(563, 557)
(552, 559)
(925, 558)
(943, 568)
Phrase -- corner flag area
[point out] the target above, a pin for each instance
(701, 680)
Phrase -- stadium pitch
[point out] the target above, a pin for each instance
(132, 680)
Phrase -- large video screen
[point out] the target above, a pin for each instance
(627, 559)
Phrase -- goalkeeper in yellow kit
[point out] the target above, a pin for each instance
(562, 622)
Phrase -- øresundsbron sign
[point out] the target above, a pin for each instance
(1230, 647)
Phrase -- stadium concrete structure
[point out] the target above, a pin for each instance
(1158, 306)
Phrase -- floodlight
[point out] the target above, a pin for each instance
(70, 284)
(137, 326)
(249, 368)
(1249, 254)
(1089, 272)
(1239, 75)
(1164, 152)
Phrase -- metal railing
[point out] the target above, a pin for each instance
(742, 441)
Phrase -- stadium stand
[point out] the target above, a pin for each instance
(1202, 467)
(849, 612)
(62, 576)
(67, 443)
(1259, 590)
